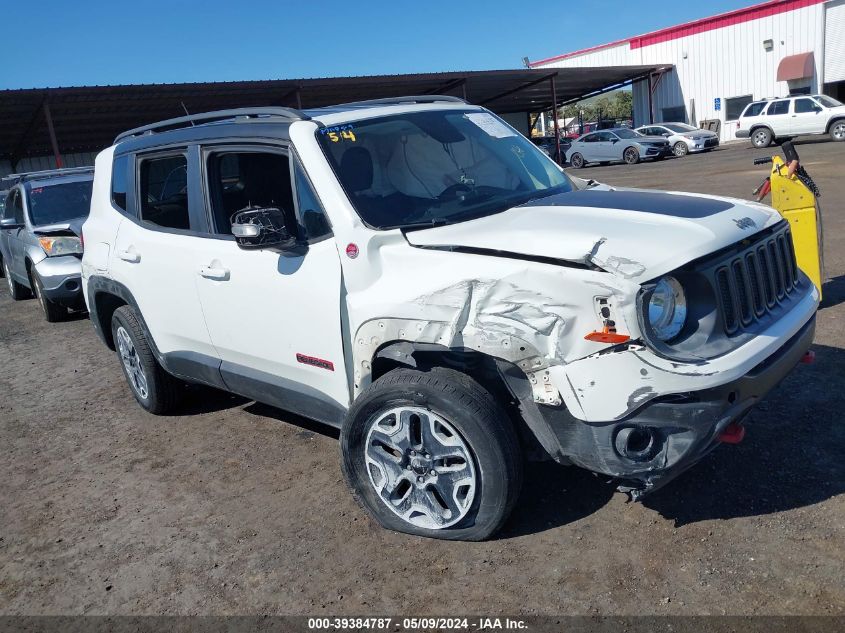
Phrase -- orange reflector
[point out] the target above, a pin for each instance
(607, 337)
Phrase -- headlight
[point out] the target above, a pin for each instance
(55, 246)
(667, 309)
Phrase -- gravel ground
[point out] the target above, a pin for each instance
(235, 507)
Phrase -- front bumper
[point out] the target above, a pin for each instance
(653, 151)
(664, 437)
(62, 280)
(703, 146)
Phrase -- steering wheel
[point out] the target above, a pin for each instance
(452, 191)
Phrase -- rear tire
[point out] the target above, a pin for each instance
(53, 312)
(432, 454)
(837, 130)
(577, 161)
(761, 137)
(154, 389)
(631, 156)
(17, 291)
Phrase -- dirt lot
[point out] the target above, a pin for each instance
(234, 507)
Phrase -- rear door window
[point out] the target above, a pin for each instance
(164, 191)
(777, 108)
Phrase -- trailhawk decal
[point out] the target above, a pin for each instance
(316, 362)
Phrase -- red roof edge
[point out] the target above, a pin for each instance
(702, 25)
(556, 58)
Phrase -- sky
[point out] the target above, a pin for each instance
(87, 42)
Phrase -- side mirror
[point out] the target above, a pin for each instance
(9, 224)
(666, 134)
(256, 228)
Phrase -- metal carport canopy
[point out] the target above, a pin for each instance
(88, 118)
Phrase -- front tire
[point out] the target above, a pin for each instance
(577, 161)
(761, 137)
(631, 156)
(432, 454)
(680, 149)
(837, 131)
(17, 291)
(154, 389)
(53, 312)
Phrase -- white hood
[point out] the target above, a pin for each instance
(634, 233)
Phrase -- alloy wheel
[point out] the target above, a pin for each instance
(420, 467)
(839, 131)
(761, 138)
(129, 356)
(680, 149)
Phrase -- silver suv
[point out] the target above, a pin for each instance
(41, 238)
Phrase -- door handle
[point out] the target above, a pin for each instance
(129, 256)
(218, 274)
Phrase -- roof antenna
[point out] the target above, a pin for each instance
(186, 112)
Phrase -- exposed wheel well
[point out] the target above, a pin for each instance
(479, 366)
(754, 128)
(105, 304)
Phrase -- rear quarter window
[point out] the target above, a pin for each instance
(754, 109)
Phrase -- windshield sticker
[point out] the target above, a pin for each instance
(39, 190)
(339, 133)
(490, 124)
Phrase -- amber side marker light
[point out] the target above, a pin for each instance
(607, 335)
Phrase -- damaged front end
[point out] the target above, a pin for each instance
(661, 439)
(564, 314)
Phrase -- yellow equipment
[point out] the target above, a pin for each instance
(799, 205)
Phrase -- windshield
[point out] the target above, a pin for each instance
(626, 133)
(49, 204)
(828, 101)
(680, 127)
(437, 167)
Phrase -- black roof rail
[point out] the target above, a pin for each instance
(288, 114)
(401, 100)
(25, 176)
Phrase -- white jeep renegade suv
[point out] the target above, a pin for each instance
(779, 119)
(416, 273)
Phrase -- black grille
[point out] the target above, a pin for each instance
(753, 282)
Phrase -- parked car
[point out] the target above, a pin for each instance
(548, 146)
(40, 239)
(616, 144)
(683, 138)
(432, 284)
(779, 119)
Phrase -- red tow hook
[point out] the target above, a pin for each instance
(809, 357)
(733, 433)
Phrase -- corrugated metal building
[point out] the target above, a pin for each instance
(723, 62)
